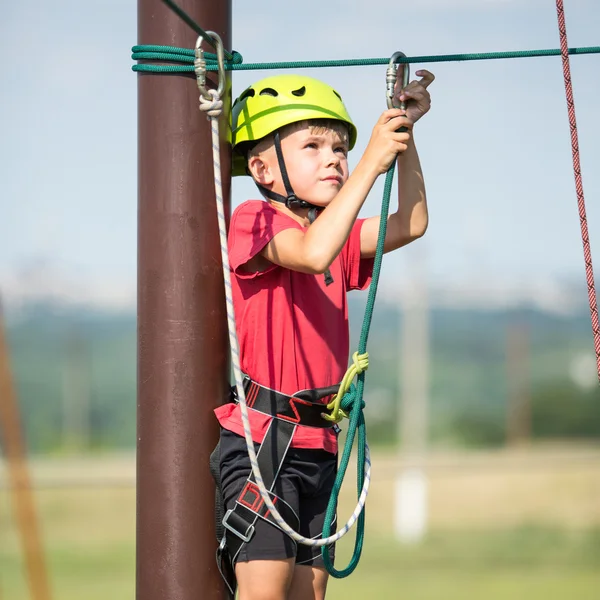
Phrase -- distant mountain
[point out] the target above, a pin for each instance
(53, 344)
(38, 282)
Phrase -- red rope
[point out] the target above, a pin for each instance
(587, 253)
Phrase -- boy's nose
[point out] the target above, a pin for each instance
(333, 158)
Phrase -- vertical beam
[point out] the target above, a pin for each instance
(414, 423)
(411, 490)
(20, 481)
(76, 392)
(182, 340)
(518, 413)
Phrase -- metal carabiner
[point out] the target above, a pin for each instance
(391, 75)
(200, 65)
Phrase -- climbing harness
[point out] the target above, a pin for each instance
(305, 409)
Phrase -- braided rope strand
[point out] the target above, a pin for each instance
(587, 253)
(183, 55)
(213, 107)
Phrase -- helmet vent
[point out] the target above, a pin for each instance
(336, 94)
(247, 94)
(269, 92)
(300, 91)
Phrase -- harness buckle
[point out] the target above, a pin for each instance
(291, 200)
(246, 536)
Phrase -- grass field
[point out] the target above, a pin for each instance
(504, 526)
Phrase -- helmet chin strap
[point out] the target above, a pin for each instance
(291, 200)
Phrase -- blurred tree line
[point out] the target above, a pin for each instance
(75, 373)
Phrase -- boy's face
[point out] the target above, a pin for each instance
(316, 159)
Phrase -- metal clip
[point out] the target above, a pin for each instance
(200, 65)
(391, 75)
(246, 536)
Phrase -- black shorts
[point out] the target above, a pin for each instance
(305, 482)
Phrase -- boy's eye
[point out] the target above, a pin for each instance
(311, 145)
(342, 149)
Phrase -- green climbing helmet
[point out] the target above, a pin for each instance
(280, 100)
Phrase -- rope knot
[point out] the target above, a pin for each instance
(237, 59)
(347, 392)
(213, 106)
(361, 362)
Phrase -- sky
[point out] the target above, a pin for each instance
(495, 147)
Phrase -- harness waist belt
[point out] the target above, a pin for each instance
(303, 408)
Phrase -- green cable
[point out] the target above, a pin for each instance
(186, 56)
(187, 19)
(353, 403)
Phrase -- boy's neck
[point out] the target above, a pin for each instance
(300, 215)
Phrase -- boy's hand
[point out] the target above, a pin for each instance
(386, 141)
(415, 94)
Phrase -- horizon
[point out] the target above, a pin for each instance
(495, 147)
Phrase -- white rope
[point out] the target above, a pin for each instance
(213, 106)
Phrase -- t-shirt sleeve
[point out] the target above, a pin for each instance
(253, 225)
(358, 270)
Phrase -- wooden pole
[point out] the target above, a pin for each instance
(19, 479)
(183, 362)
(411, 491)
(518, 414)
(76, 375)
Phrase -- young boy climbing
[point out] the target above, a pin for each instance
(293, 258)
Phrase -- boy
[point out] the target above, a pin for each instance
(293, 259)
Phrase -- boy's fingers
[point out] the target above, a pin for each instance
(401, 137)
(398, 122)
(427, 77)
(401, 115)
(390, 113)
(417, 93)
(415, 83)
(411, 84)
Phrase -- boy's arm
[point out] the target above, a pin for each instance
(410, 221)
(313, 250)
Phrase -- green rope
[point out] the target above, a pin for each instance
(187, 19)
(353, 403)
(183, 55)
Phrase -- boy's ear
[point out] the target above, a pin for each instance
(260, 170)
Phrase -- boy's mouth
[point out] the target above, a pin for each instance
(335, 178)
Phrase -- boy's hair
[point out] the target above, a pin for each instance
(316, 126)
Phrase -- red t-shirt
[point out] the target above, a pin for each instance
(292, 328)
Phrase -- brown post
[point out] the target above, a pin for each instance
(19, 479)
(182, 339)
(518, 414)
